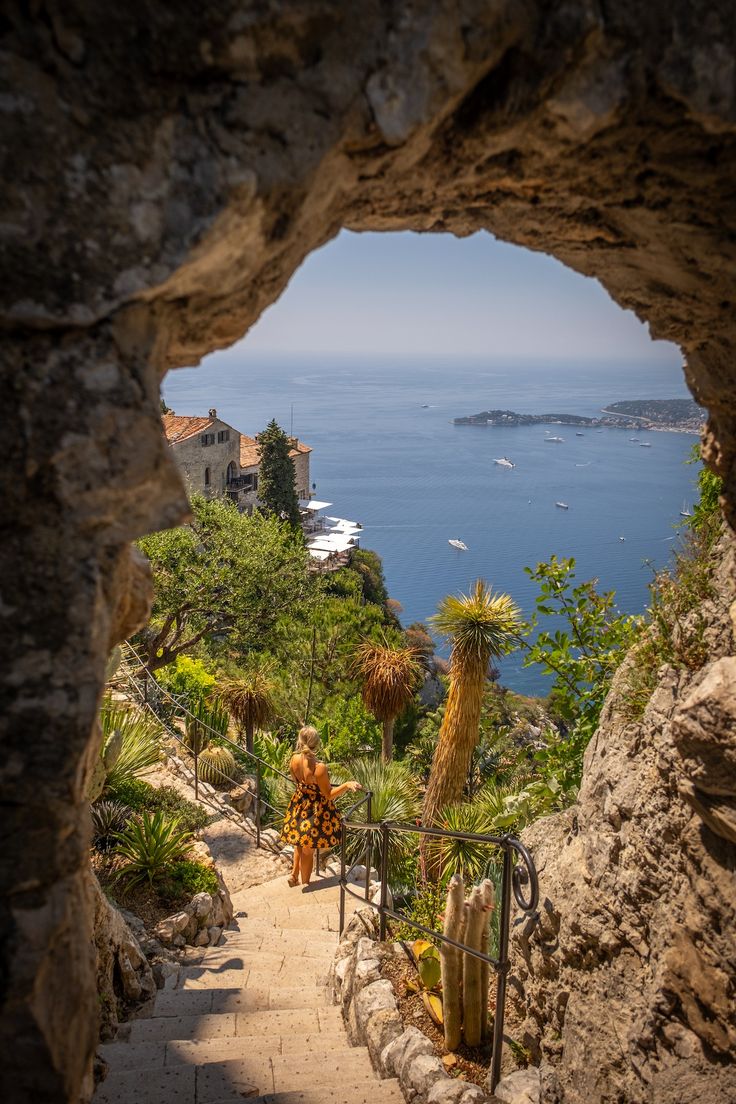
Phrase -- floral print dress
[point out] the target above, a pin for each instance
(311, 819)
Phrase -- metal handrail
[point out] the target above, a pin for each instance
(515, 876)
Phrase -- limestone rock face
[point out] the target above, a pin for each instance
(626, 987)
(164, 177)
(123, 973)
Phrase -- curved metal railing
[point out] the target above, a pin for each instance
(515, 878)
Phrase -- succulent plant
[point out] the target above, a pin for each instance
(217, 765)
(109, 819)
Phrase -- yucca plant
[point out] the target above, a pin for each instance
(249, 698)
(481, 626)
(109, 819)
(202, 723)
(217, 765)
(139, 741)
(389, 677)
(466, 857)
(150, 845)
(395, 797)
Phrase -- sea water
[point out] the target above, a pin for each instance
(415, 480)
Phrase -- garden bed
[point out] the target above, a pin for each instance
(151, 903)
(466, 1063)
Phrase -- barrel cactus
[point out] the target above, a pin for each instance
(217, 765)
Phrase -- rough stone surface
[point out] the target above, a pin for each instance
(165, 175)
(124, 976)
(625, 987)
(521, 1087)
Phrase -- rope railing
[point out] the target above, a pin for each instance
(516, 876)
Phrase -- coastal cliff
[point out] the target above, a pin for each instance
(644, 414)
(624, 989)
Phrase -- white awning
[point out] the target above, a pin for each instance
(313, 504)
(332, 543)
(318, 554)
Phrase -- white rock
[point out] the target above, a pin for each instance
(521, 1087)
(377, 996)
(201, 939)
(402, 1049)
(201, 905)
(447, 1091)
(180, 920)
(420, 1074)
(214, 933)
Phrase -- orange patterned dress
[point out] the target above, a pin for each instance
(311, 819)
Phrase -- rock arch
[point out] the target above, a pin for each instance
(165, 173)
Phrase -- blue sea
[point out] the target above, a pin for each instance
(415, 480)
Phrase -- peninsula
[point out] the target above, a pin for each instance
(678, 415)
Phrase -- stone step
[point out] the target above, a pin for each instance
(257, 998)
(254, 1053)
(289, 1021)
(361, 1092)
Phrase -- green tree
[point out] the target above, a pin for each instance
(389, 677)
(481, 626)
(249, 698)
(224, 580)
(277, 478)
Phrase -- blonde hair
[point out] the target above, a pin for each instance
(307, 741)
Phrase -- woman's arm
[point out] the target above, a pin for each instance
(322, 777)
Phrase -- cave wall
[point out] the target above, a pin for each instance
(166, 168)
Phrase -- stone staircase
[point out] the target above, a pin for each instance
(250, 1018)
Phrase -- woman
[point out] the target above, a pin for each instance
(311, 820)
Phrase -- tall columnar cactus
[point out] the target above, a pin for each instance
(472, 998)
(489, 904)
(466, 980)
(451, 963)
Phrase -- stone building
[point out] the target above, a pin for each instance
(218, 460)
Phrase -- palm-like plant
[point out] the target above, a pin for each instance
(249, 699)
(481, 626)
(389, 677)
(395, 798)
(138, 736)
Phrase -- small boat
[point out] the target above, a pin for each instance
(554, 440)
(585, 465)
(635, 440)
(684, 512)
(645, 444)
(622, 538)
(460, 545)
(579, 434)
(562, 505)
(504, 462)
(425, 406)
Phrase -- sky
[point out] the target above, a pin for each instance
(407, 293)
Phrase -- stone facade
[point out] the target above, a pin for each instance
(217, 460)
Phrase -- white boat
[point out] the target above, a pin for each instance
(460, 545)
(645, 444)
(554, 440)
(635, 440)
(562, 505)
(622, 538)
(504, 462)
(579, 434)
(684, 512)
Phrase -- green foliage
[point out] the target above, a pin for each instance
(109, 819)
(369, 567)
(188, 680)
(395, 797)
(201, 724)
(136, 735)
(347, 730)
(187, 877)
(583, 654)
(223, 582)
(217, 766)
(277, 475)
(706, 515)
(150, 845)
(427, 908)
(141, 797)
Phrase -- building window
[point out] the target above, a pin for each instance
(206, 477)
(223, 435)
(207, 439)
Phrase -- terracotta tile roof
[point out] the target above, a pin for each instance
(179, 427)
(249, 452)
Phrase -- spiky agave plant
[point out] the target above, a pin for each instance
(469, 858)
(481, 626)
(249, 698)
(109, 819)
(389, 677)
(150, 845)
(395, 798)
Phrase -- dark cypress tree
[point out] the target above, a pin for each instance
(277, 477)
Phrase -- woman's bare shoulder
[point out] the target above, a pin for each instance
(321, 769)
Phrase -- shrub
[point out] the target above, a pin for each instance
(140, 796)
(217, 766)
(139, 747)
(187, 877)
(346, 730)
(150, 845)
(109, 819)
(188, 680)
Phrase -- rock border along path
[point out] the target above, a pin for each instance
(252, 1018)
